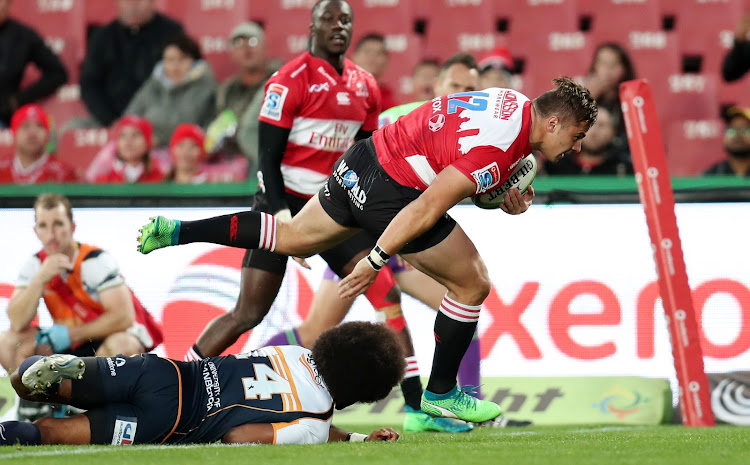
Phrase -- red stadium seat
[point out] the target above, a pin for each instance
(735, 93)
(78, 147)
(692, 146)
(286, 23)
(384, 17)
(405, 51)
(454, 26)
(564, 54)
(613, 20)
(530, 23)
(55, 20)
(655, 54)
(65, 104)
(707, 29)
(6, 143)
(687, 97)
(99, 12)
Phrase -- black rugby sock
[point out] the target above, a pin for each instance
(236, 230)
(452, 338)
(412, 390)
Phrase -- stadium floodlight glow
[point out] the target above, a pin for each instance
(657, 198)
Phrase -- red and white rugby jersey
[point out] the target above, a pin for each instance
(483, 134)
(47, 169)
(324, 111)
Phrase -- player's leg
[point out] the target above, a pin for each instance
(45, 431)
(16, 346)
(431, 293)
(120, 343)
(455, 263)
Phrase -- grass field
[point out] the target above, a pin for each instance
(540, 445)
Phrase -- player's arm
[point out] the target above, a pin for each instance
(250, 433)
(272, 141)
(336, 434)
(119, 315)
(24, 301)
(449, 187)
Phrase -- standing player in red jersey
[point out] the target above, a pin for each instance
(399, 185)
(315, 108)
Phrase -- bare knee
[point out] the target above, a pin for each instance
(248, 313)
(120, 343)
(477, 291)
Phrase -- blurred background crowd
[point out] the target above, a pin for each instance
(126, 91)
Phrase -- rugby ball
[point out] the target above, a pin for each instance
(521, 177)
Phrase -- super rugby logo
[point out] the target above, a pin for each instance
(487, 177)
(124, 431)
(437, 122)
(273, 104)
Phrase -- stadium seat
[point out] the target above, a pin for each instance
(65, 104)
(613, 20)
(531, 23)
(735, 93)
(56, 20)
(454, 26)
(99, 12)
(286, 24)
(6, 143)
(78, 147)
(564, 54)
(386, 17)
(405, 51)
(692, 146)
(655, 54)
(706, 29)
(687, 97)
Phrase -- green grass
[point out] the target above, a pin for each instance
(722, 445)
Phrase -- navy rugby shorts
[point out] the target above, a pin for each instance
(360, 194)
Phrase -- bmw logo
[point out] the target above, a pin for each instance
(350, 178)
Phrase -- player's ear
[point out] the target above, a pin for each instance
(553, 122)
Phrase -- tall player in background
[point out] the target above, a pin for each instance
(399, 184)
(315, 107)
(273, 395)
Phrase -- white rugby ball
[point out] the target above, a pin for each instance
(520, 178)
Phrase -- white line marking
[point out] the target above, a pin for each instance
(96, 449)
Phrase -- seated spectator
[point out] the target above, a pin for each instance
(188, 152)
(240, 97)
(737, 60)
(423, 79)
(121, 57)
(21, 45)
(31, 163)
(371, 54)
(93, 311)
(129, 155)
(598, 154)
(611, 67)
(496, 69)
(736, 144)
(181, 89)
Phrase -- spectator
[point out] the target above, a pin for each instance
(240, 97)
(121, 56)
(598, 153)
(496, 69)
(736, 144)
(737, 60)
(611, 67)
(187, 149)
(423, 80)
(181, 89)
(93, 310)
(21, 45)
(371, 54)
(31, 163)
(127, 158)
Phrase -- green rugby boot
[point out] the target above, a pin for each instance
(417, 421)
(159, 232)
(50, 370)
(458, 404)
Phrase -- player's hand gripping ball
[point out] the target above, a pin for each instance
(520, 178)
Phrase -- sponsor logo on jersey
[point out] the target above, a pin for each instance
(508, 106)
(342, 98)
(437, 105)
(350, 178)
(273, 104)
(124, 431)
(114, 364)
(213, 388)
(323, 86)
(436, 122)
(487, 177)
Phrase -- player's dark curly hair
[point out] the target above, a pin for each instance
(359, 362)
(570, 101)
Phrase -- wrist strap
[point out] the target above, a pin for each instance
(378, 258)
(356, 437)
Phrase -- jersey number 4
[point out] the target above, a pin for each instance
(474, 104)
(265, 384)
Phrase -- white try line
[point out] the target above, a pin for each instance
(97, 449)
